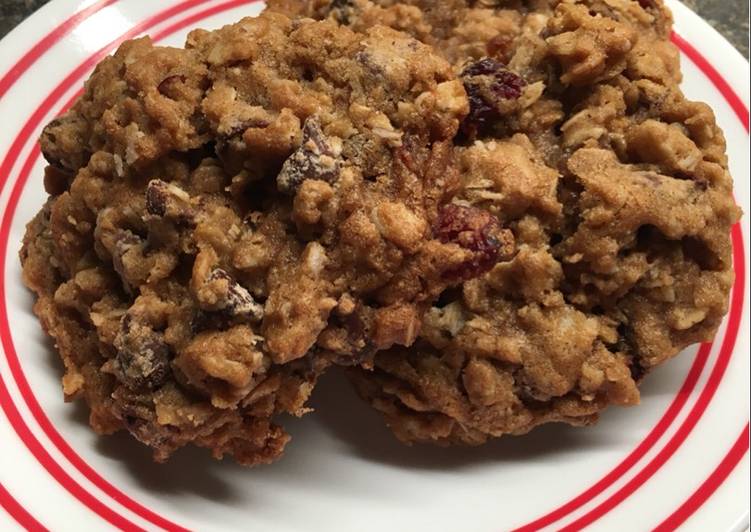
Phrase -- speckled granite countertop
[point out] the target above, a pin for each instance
(730, 17)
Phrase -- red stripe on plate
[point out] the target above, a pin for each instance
(37, 449)
(30, 57)
(742, 113)
(723, 359)
(637, 454)
(54, 468)
(18, 512)
(5, 174)
(33, 122)
(709, 486)
(715, 77)
(197, 17)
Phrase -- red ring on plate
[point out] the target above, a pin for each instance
(709, 486)
(18, 512)
(726, 351)
(741, 445)
(713, 383)
(14, 509)
(5, 399)
(4, 242)
(714, 76)
(40, 48)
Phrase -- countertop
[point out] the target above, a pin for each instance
(729, 17)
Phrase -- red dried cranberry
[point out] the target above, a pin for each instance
(501, 81)
(480, 112)
(507, 85)
(487, 83)
(477, 231)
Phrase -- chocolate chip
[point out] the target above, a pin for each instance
(247, 124)
(156, 198)
(637, 370)
(57, 180)
(142, 358)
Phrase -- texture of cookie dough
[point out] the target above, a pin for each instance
(617, 193)
(227, 219)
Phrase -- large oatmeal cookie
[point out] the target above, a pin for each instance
(616, 190)
(226, 219)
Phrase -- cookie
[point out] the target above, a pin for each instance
(227, 219)
(617, 193)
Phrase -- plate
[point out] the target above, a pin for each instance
(681, 458)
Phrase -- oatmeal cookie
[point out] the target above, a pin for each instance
(227, 218)
(616, 190)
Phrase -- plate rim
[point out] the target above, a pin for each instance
(31, 22)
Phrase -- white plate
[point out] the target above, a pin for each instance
(680, 458)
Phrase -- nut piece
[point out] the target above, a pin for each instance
(398, 324)
(316, 158)
(167, 200)
(142, 359)
(236, 300)
(476, 231)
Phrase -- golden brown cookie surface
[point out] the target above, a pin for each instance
(221, 215)
(617, 193)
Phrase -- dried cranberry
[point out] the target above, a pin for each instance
(477, 231)
(646, 4)
(507, 85)
(487, 83)
(480, 112)
(502, 81)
